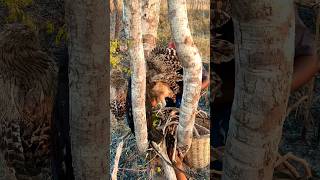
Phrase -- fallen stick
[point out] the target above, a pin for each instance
(117, 157)
(167, 166)
(116, 161)
(296, 104)
(289, 156)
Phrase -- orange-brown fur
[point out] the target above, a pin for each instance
(159, 92)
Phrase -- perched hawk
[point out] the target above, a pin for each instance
(27, 89)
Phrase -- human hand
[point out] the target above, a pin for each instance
(178, 160)
(178, 164)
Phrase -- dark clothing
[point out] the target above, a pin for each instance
(220, 126)
(170, 102)
(304, 40)
(221, 109)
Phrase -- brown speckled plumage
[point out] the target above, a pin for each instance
(27, 85)
(163, 66)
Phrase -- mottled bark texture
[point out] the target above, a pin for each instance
(125, 20)
(150, 21)
(138, 76)
(113, 16)
(192, 71)
(87, 30)
(168, 169)
(264, 52)
(118, 22)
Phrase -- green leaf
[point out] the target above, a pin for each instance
(50, 27)
(61, 35)
(158, 170)
(155, 120)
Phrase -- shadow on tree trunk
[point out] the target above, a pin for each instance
(62, 159)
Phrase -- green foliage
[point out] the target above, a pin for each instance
(50, 27)
(16, 12)
(158, 169)
(60, 32)
(155, 120)
(116, 56)
(61, 35)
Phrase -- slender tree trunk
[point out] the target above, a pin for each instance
(264, 50)
(150, 21)
(138, 76)
(192, 71)
(87, 30)
(125, 20)
(116, 11)
(118, 8)
(113, 17)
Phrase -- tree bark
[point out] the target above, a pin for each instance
(150, 21)
(125, 20)
(113, 18)
(61, 150)
(138, 76)
(118, 23)
(192, 71)
(87, 30)
(264, 51)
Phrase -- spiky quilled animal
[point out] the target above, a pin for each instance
(27, 88)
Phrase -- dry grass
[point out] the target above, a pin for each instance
(199, 21)
(132, 165)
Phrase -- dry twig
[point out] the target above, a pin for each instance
(116, 161)
(117, 157)
(285, 161)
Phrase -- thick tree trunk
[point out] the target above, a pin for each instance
(150, 21)
(264, 50)
(192, 71)
(87, 29)
(138, 76)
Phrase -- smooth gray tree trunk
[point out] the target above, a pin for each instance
(264, 52)
(87, 30)
(138, 76)
(192, 71)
